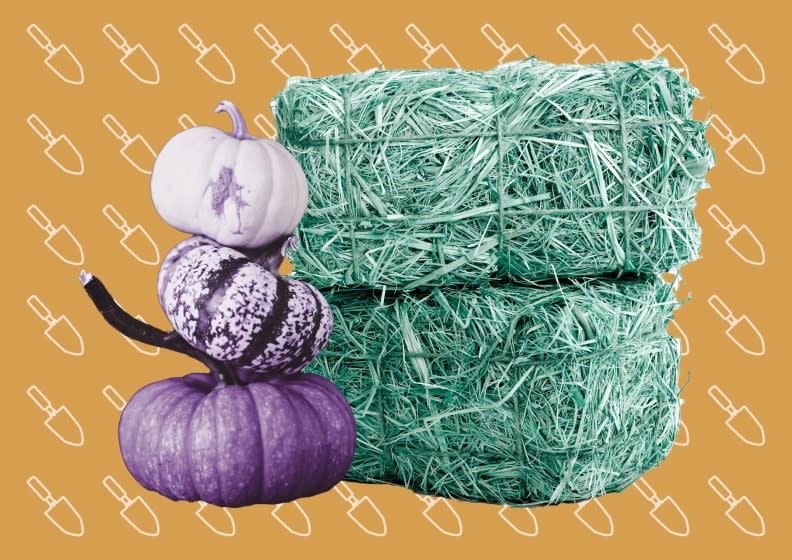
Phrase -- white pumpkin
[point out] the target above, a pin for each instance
(242, 191)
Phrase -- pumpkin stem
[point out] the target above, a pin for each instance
(240, 131)
(131, 327)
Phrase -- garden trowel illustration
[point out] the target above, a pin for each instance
(741, 510)
(136, 511)
(508, 53)
(136, 240)
(265, 125)
(522, 520)
(741, 331)
(60, 421)
(362, 511)
(667, 51)
(60, 240)
(59, 150)
(60, 331)
(665, 511)
(218, 519)
(360, 58)
(741, 239)
(444, 518)
(437, 56)
(211, 59)
(288, 60)
(741, 420)
(293, 518)
(586, 54)
(136, 59)
(59, 59)
(186, 121)
(741, 59)
(136, 150)
(60, 512)
(595, 517)
(741, 150)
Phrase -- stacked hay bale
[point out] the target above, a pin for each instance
(490, 244)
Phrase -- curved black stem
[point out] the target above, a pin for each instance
(131, 327)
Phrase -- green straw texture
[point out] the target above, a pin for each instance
(530, 171)
(506, 394)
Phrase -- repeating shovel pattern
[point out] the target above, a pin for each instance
(60, 62)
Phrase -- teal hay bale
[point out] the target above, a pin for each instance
(506, 394)
(529, 171)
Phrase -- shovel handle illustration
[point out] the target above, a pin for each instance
(721, 309)
(41, 129)
(115, 489)
(721, 218)
(721, 399)
(494, 37)
(40, 490)
(646, 491)
(40, 37)
(40, 309)
(721, 128)
(115, 218)
(265, 125)
(42, 221)
(114, 397)
(418, 37)
(645, 37)
(267, 38)
(192, 38)
(570, 38)
(346, 493)
(115, 37)
(721, 490)
(720, 36)
(186, 121)
(343, 38)
(40, 399)
(115, 127)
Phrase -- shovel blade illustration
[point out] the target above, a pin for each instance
(745, 516)
(746, 427)
(444, 518)
(291, 63)
(63, 335)
(746, 155)
(591, 55)
(140, 245)
(139, 154)
(65, 65)
(595, 517)
(140, 517)
(522, 520)
(293, 518)
(65, 427)
(674, 59)
(63, 515)
(746, 336)
(513, 54)
(670, 517)
(65, 246)
(746, 65)
(215, 63)
(746, 246)
(364, 59)
(440, 57)
(218, 519)
(140, 64)
(63, 154)
(366, 516)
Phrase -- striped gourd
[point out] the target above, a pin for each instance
(237, 311)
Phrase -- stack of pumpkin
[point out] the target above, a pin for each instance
(491, 244)
(255, 429)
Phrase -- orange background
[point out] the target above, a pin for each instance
(761, 292)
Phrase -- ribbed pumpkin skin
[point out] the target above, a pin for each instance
(237, 311)
(267, 442)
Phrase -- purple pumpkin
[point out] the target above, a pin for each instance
(239, 311)
(272, 441)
